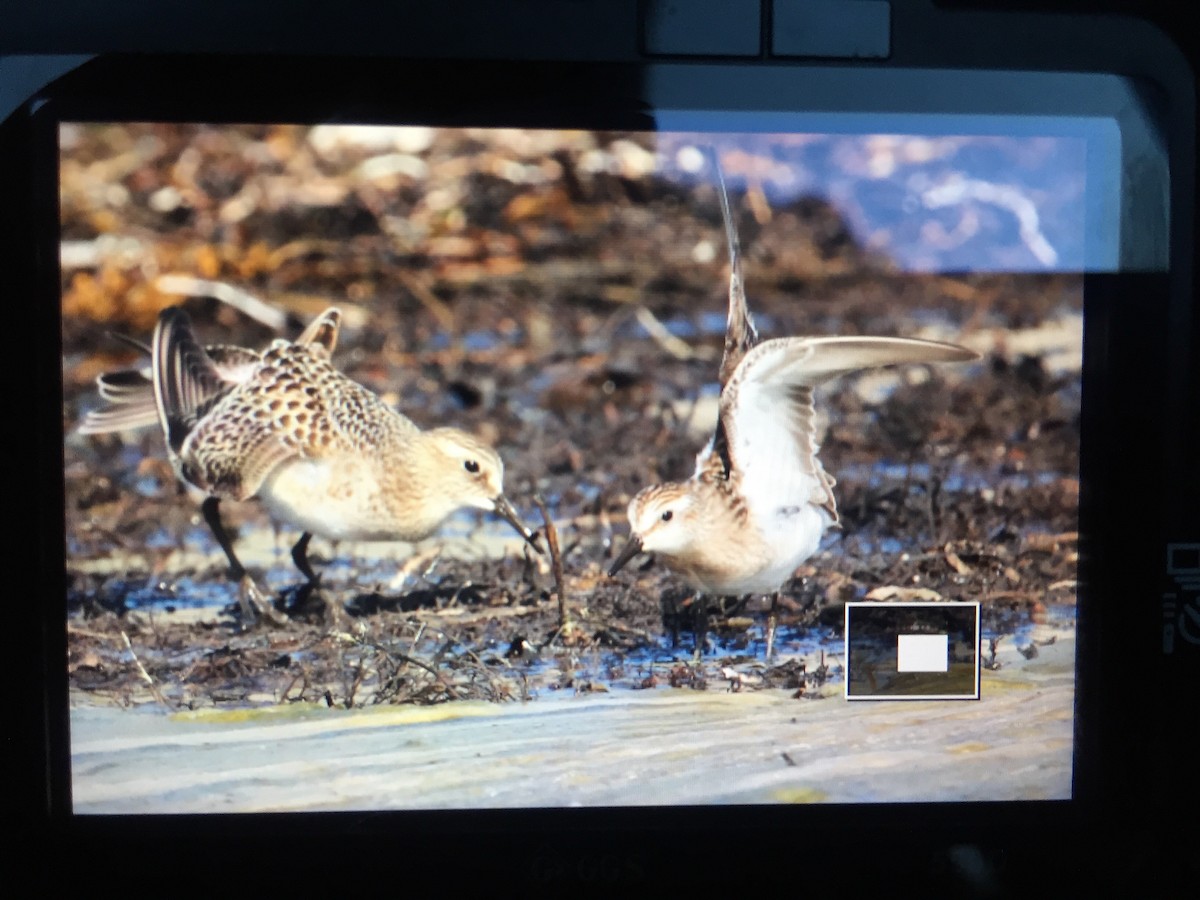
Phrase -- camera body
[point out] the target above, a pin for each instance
(750, 79)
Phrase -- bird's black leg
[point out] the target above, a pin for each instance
(251, 600)
(300, 556)
(771, 625)
(669, 606)
(211, 508)
(700, 624)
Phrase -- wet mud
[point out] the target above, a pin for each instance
(572, 314)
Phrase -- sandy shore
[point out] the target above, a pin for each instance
(641, 748)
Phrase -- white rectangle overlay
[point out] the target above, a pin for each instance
(922, 653)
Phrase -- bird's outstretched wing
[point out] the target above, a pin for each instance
(740, 334)
(185, 379)
(767, 414)
(129, 393)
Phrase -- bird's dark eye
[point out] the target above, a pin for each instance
(471, 466)
(666, 517)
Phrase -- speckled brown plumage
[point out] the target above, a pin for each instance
(296, 405)
(284, 426)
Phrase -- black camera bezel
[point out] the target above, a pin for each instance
(1137, 361)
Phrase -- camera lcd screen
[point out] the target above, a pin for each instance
(562, 299)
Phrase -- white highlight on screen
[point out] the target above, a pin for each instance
(922, 653)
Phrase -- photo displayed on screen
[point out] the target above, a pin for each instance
(415, 467)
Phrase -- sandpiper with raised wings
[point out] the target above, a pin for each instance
(759, 500)
(320, 451)
(130, 392)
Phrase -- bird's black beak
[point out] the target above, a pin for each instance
(631, 549)
(505, 510)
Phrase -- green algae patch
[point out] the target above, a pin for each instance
(371, 717)
(799, 795)
(290, 712)
(830, 689)
(997, 685)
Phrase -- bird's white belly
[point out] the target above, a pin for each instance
(790, 536)
(338, 500)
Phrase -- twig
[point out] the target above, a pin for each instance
(499, 689)
(417, 567)
(453, 602)
(359, 674)
(142, 671)
(395, 655)
(657, 330)
(639, 633)
(555, 560)
(76, 631)
(284, 693)
(429, 300)
(447, 686)
(243, 302)
(412, 660)
(412, 648)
